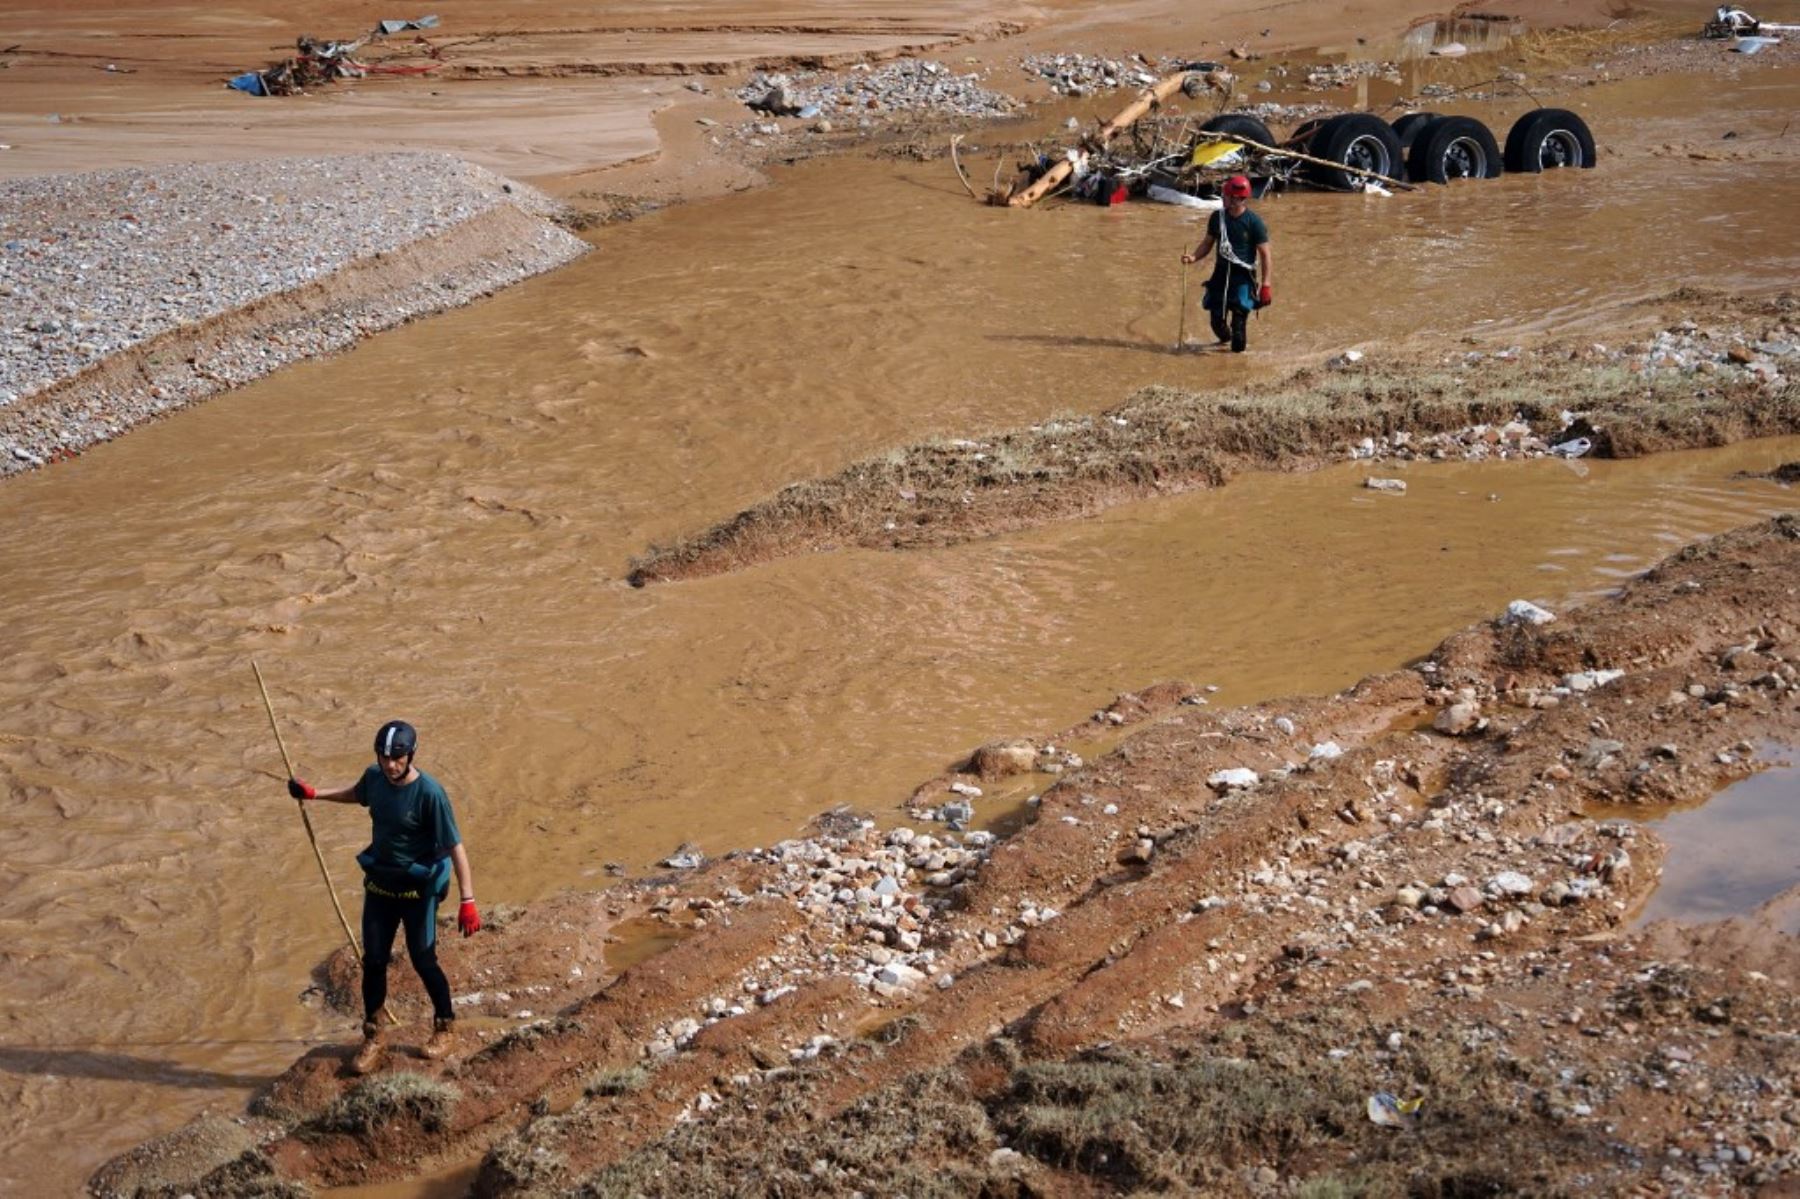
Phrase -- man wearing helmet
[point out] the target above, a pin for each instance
(406, 874)
(1242, 239)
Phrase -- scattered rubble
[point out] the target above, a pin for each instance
(1331, 75)
(866, 94)
(1084, 74)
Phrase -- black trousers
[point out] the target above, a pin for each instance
(382, 917)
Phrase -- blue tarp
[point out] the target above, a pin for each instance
(249, 81)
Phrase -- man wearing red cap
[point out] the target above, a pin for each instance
(1242, 240)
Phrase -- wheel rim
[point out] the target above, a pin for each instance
(1368, 154)
(1560, 149)
(1465, 158)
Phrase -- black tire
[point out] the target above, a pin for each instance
(1407, 128)
(1547, 138)
(1454, 148)
(1238, 124)
(1301, 138)
(1355, 139)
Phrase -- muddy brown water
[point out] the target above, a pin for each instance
(1732, 853)
(436, 526)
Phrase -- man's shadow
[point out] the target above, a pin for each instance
(120, 1067)
(1078, 342)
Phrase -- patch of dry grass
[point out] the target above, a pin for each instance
(401, 1095)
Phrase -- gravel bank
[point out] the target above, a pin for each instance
(126, 294)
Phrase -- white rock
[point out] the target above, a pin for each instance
(1395, 486)
(1587, 680)
(898, 974)
(1511, 882)
(1231, 778)
(1525, 612)
(1325, 751)
(1284, 726)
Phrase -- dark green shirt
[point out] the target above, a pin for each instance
(413, 823)
(1246, 233)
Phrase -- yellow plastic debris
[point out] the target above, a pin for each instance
(1216, 154)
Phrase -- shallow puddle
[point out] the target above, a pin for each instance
(1732, 853)
(454, 1182)
(639, 940)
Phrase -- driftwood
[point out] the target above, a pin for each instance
(1148, 99)
(957, 163)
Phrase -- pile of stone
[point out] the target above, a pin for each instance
(870, 900)
(1688, 348)
(1343, 74)
(1085, 74)
(865, 93)
(1477, 443)
(1273, 114)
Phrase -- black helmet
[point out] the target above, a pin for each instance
(396, 739)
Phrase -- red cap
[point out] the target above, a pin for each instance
(1237, 187)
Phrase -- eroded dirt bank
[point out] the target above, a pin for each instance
(1689, 383)
(1192, 964)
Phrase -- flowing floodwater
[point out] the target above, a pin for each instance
(436, 526)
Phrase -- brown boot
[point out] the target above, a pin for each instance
(368, 1058)
(443, 1040)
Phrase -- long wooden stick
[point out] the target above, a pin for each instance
(1181, 333)
(304, 818)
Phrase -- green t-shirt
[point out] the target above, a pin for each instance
(413, 823)
(1246, 233)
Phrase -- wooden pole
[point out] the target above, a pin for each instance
(1181, 333)
(304, 818)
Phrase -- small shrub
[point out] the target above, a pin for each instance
(400, 1095)
(617, 1082)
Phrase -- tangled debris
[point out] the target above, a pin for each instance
(318, 62)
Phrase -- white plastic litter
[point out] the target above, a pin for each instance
(1575, 448)
(1168, 195)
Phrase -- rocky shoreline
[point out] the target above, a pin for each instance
(128, 294)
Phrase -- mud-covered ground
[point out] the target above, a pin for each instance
(1190, 962)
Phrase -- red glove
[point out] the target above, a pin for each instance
(468, 919)
(301, 789)
(1265, 297)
